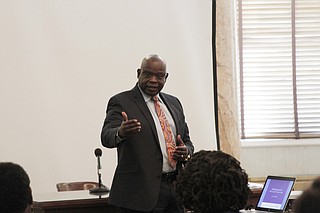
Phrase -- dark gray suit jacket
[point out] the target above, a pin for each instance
(136, 182)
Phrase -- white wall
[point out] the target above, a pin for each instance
(61, 60)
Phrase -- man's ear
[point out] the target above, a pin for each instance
(167, 74)
(138, 72)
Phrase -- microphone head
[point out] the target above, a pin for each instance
(98, 152)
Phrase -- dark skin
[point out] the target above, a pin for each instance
(152, 77)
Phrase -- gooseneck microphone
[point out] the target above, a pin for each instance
(101, 189)
(98, 153)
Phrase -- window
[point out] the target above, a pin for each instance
(279, 68)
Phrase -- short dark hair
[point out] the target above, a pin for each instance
(15, 191)
(309, 200)
(213, 181)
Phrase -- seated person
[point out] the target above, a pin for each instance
(309, 200)
(213, 181)
(15, 191)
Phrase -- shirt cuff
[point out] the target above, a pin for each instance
(118, 138)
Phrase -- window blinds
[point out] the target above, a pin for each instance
(279, 49)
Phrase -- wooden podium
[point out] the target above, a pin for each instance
(83, 202)
(253, 198)
(71, 202)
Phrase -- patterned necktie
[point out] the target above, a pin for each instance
(165, 126)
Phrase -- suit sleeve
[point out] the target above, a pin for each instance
(111, 124)
(187, 141)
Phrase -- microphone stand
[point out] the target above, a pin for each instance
(101, 189)
(99, 178)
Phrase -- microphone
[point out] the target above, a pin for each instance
(98, 153)
(101, 189)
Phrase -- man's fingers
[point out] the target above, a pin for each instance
(132, 124)
(124, 116)
(181, 149)
(180, 142)
(129, 126)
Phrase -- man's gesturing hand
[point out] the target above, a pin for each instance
(128, 127)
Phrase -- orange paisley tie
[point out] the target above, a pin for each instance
(171, 147)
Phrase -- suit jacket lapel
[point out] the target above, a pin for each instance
(139, 100)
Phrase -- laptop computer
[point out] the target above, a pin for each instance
(275, 194)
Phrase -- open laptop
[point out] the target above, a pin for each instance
(275, 194)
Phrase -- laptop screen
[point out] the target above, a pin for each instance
(275, 193)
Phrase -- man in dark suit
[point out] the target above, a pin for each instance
(145, 176)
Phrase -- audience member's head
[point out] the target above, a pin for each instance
(309, 201)
(15, 191)
(213, 181)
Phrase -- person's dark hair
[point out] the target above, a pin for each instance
(15, 191)
(213, 181)
(309, 200)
